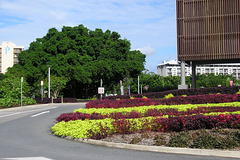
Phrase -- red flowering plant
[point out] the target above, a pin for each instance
(150, 112)
(195, 99)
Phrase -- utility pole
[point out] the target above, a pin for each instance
(138, 86)
(49, 80)
(21, 89)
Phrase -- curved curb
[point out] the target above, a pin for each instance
(188, 151)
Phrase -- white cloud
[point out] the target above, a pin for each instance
(149, 51)
(59, 15)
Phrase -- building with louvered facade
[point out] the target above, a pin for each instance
(208, 32)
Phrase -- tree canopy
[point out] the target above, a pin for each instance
(83, 57)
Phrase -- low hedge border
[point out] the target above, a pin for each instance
(193, 91)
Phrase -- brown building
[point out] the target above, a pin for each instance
(208, 31)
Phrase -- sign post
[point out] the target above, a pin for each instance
(129, 90)
(101, 89)
(121, 88)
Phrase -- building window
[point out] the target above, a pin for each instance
(17, 50)
(198, 70)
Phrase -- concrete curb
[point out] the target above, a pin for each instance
(188, 151)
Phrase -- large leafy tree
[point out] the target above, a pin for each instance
(83, 57)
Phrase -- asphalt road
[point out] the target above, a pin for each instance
(25, 134)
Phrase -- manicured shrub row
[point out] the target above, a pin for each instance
(143, 109)
(56, 100)
(196, 99)
(151, 112)
(83, 128)
(196, 91)
(98, 129)
(11, 102)
(122, 103)
(171, 124)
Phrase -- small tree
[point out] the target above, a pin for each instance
(57, 84)
(11, 88)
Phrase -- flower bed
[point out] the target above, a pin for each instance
(98, 129)
(196, 99)
(146, 111)
(175, 114)
(179, 114)
(99, 123)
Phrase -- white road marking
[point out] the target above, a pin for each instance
(35, 115)
(7, 115)
(29, 158)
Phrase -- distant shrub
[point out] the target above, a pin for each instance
(206, 140)
(188, 92)
(181, 139)
(159, 140)
(11, 102)
(168, 96)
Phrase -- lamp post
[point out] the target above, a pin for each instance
(49, 80)
(21, 89)
(138, 86)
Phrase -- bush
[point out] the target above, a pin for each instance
(11, 102)
(168, 96)
(160, 140)
(206, 140)
(136, 140)
(181, 139)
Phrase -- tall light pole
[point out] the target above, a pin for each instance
(49, 80)
(138, 86)
(21, 89)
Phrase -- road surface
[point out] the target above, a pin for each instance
(25, 134)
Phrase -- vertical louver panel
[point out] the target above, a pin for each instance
(208, 30)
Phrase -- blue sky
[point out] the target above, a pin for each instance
(150, 25)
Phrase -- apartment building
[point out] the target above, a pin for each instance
(173, 68)
(9, 55)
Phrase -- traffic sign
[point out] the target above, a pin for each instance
(146, 87)
(100, 90)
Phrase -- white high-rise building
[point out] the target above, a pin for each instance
(9, 55)
(173, 68)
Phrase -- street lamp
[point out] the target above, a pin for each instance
(21, 89)
(49, 80)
